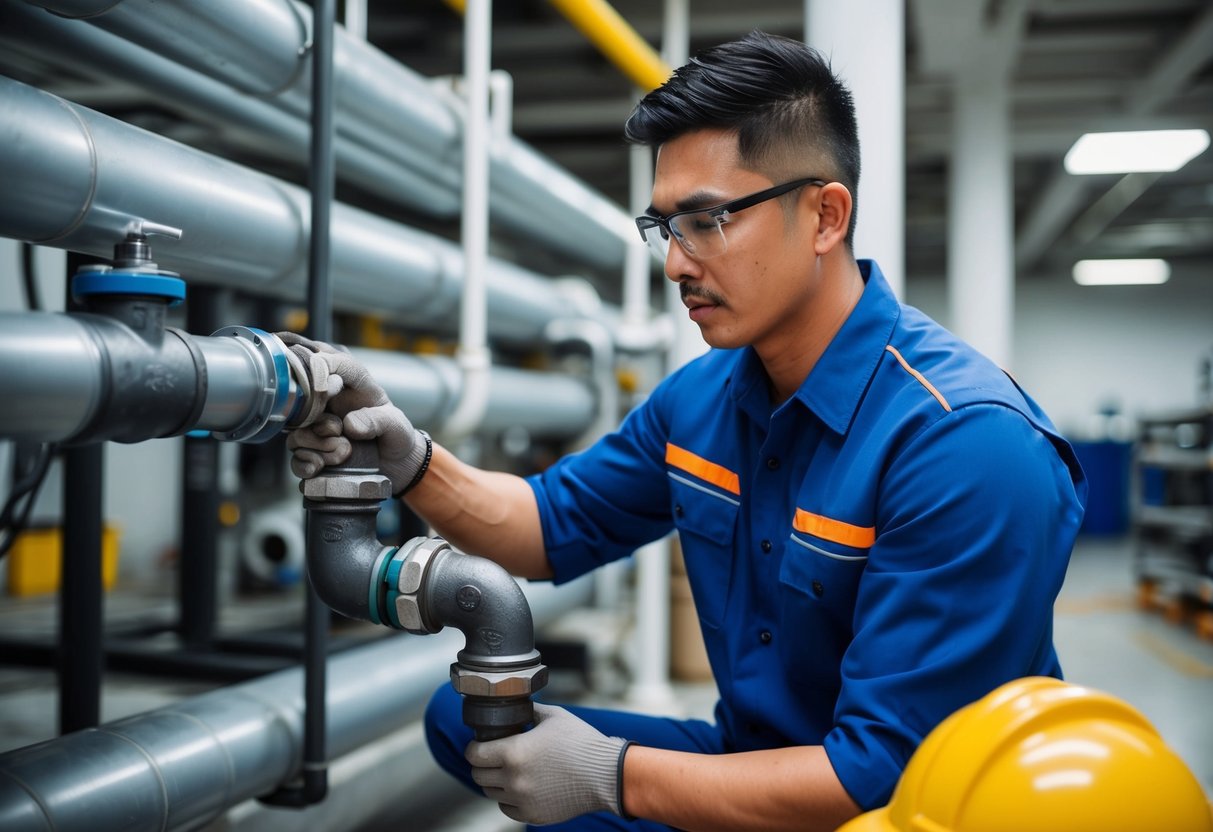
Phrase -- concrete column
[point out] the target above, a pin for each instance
(981, 276)
(864, 41)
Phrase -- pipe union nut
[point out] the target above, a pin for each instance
(520, 682)
(348, 487)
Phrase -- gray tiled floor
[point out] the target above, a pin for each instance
(1104, 641)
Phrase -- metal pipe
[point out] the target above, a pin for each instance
(473, 356)
(183, 765)
(618, 41)
(26, 29)
(321, 181)
(54, 370)
(76, 179)
(381, 104)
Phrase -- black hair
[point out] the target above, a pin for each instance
(779, 95)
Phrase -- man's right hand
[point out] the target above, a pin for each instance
(356, 408)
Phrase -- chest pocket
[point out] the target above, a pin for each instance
(824, 559)
(706, 520)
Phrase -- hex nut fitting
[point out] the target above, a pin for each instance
(417, 562)
(348, 487)
(521, 682)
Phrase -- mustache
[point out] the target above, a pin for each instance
(688, 290)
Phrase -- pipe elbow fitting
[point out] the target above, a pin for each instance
(427, 585)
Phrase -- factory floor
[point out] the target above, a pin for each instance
(1104, 639)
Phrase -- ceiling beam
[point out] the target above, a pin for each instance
(1064, 195)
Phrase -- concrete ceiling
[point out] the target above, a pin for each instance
(1075, 66)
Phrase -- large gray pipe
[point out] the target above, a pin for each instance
(259, 47)
(183, 765)
(26, 30)
(56, 377)
(76, 179)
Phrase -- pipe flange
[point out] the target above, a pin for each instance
(279, 396)
(405, 576)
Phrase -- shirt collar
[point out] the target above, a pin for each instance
(835, 386)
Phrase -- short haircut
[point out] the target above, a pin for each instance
(782, 99)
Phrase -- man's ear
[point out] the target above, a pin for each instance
(834, 212)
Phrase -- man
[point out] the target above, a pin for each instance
(875, 519)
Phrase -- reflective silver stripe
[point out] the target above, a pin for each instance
(702, 488)
(819, 551)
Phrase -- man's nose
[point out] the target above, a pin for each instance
(679, 265)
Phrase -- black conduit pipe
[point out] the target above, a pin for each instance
(81, 594)
(320, 327)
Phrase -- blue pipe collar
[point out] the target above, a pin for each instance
(105, 281)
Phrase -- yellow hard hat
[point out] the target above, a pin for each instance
(1043, 755)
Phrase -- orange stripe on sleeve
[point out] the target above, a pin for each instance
(717, 475)
(835, 531)
(921, 379)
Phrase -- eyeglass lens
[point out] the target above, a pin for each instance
(698, 232)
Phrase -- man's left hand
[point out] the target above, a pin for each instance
(558, 770)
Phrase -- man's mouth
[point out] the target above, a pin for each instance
(694, 297)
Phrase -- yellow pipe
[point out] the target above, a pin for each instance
(615, 39)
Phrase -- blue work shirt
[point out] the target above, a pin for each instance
(867, 557)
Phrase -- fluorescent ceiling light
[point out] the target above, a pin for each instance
(1140, 151)
(1121, 272)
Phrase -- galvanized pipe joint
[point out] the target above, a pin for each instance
(421, 587)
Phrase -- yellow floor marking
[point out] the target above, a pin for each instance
(1095, 603)
(1178, 659)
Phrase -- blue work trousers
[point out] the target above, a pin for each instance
(448, 737)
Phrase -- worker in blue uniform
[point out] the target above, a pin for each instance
(875, 519)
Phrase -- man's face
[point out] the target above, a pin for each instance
(751, 293)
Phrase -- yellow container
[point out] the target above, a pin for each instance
(35, 561)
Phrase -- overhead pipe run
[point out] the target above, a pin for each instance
(77, 179)
(260, 46)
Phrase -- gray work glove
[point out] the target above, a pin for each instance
(356, 408)
(558, 770)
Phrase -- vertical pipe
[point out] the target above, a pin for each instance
(638, 263)
(81, 594)
(320, 327)
(474, 358)
(356, 18)
(198, 573)
(652, 682)
(980, 238)
(873, 66)
(320, 321)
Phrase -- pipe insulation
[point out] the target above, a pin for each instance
(183, 765)
(78, 180)
(260, 47)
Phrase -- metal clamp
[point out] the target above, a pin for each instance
(279, 394)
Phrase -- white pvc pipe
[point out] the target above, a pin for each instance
(356, 18)
(651, 685)
(473, 355)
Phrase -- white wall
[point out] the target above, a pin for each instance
(1078, 347)
(142, 482)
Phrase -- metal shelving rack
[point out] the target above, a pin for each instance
(1173, 514)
